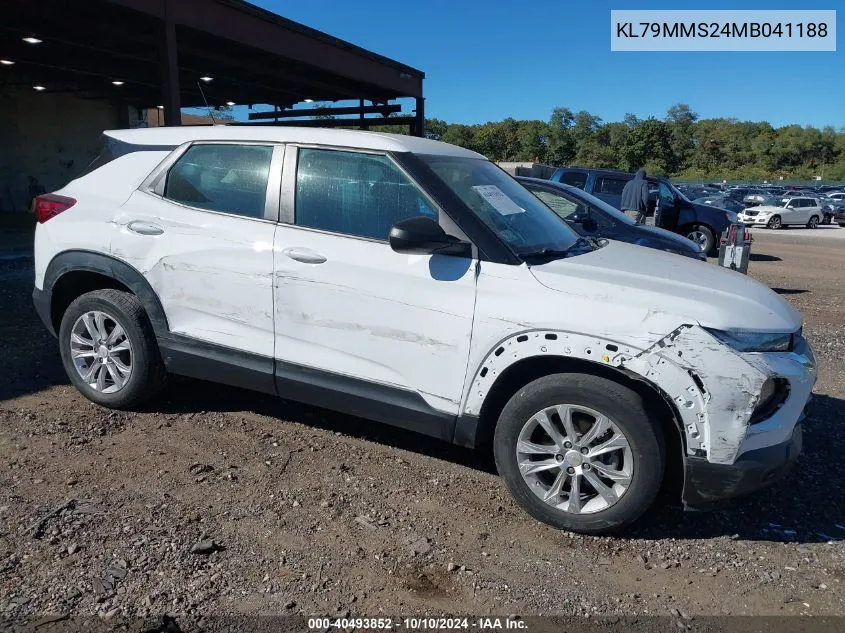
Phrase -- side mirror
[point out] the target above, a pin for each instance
(424, 236)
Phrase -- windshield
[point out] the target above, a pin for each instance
(511, 211)
(577, 195)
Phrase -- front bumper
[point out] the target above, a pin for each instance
(770, 446)
(706, 483)
(754, 220)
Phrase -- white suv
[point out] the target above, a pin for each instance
(415, 283)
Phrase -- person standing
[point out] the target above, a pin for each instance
(635, 197)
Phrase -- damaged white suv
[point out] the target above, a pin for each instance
(415, 283)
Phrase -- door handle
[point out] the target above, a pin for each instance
(144, 228)
(304, 255)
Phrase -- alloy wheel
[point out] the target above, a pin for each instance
(574, 458)
(698, 238)
(101, 352)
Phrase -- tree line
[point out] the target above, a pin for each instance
(680, 144)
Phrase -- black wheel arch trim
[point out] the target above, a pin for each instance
(89, 261)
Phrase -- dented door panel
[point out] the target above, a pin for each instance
(211, 271)
(373, 314)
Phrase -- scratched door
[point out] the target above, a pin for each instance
(346, 303)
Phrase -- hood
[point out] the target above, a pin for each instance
(671, 240)
(640, 175)
(709, 210)
(641, 284)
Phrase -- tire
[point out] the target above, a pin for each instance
(814, 222)
(826, 220)
(774, 223)
(642, 462)
(703, 236)
(135, 348)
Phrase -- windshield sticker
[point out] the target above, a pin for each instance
(497, 199)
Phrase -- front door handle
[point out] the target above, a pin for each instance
(304, 255)
(144, 228)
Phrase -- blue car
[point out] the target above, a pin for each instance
(701, 223)
(590, 216)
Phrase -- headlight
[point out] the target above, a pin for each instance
(754, 341)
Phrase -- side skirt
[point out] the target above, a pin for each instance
(390, 405)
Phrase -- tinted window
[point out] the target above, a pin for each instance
(228, 178)
(354, 193)
(611, 186)
(574, 178)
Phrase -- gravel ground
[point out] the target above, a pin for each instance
(221, 501)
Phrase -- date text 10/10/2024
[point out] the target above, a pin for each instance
(417, 623)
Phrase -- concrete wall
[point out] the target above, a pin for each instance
(47, 139)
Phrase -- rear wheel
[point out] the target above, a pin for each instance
(813, 223)
(109, 349)
(579, 452)
(702, 236)
(774, 222)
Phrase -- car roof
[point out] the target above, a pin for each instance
(173, 136)
(603, 172)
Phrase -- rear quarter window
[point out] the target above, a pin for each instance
(112, 149)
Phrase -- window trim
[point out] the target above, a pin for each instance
(288, 196)
(155, 182)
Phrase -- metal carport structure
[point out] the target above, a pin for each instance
(182, 53)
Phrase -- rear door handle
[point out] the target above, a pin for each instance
(304, 255)
(144, 228)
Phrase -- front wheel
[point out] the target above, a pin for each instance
(826, 220)
(580, 453)
(702, 236)
(774, 222)
(109, 349)
(813, 223)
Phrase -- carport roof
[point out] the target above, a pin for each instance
(249, 54)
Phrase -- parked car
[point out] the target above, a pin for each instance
(755, 197)
(415, 283)
(830, 206)
(836, 195)
(800, 211)
(592, 217)
(700, 223)
(721, 202)
(839, 217)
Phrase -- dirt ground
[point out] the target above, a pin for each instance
(301, 511)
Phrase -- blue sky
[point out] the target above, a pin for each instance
(487, 60)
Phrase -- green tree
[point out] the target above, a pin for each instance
(648, 145)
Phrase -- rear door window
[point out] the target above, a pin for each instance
(574, 178)
(229, 178)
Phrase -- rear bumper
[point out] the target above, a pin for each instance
(41, 299)
(706, 483)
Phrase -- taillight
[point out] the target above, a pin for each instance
(49, 205)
